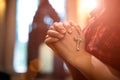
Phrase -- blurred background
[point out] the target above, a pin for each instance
(23, 26)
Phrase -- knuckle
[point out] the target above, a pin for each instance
(48, 32)
(56, 34)
(51, 27)
(55, 24)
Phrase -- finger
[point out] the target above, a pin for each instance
(75, 25)
(72, 23)
(50, 40)
(51, 28)
(46, 36)
(59, 27)
(68, 27)
(78, 28)
(55, 34)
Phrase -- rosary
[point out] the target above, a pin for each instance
(78, 40)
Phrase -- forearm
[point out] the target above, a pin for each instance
(76, 74)
(89, 66)
(94, 69)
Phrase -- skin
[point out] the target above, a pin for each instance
(61, 36)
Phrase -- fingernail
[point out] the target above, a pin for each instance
(70, 31)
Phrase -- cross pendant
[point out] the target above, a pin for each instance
(78, 40)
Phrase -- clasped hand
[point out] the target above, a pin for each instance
(61, 38)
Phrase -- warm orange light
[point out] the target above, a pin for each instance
(85, 7)
(2, 6)
(88, 5)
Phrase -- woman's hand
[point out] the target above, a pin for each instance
(56, 33)
(61, 38)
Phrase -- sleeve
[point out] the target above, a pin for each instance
(102, 41)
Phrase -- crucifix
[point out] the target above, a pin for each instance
(78, 40)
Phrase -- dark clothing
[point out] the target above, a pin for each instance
(103, 41)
